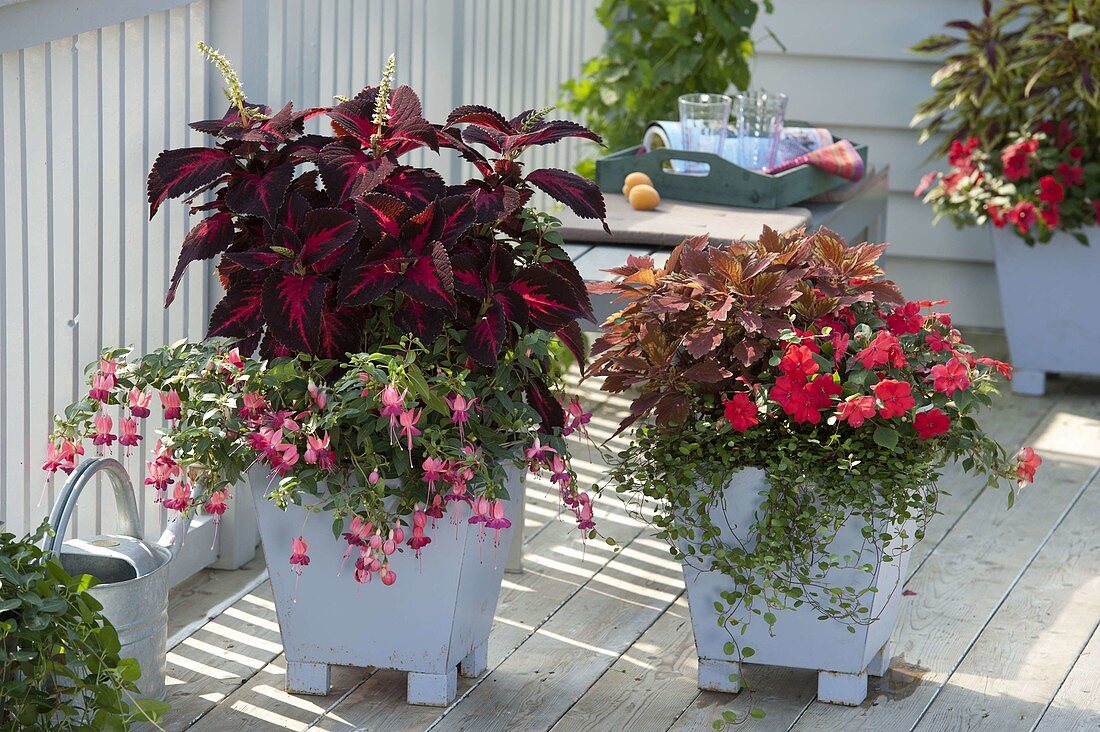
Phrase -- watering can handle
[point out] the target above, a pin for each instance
(128, 522)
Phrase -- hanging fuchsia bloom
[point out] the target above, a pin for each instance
(496, 520)
(181, 498)
(266, 441)
(139, 402)
(460, 412)
(54, 458)
(537, 455)
(283, 420)
(103, 435)
(436, 509)
(408, 420)
(128, 435)
(171, 404)
(356, 536)
(433, 471)
(318, 453)
(578, 419)
(253, 406)
(109, 367)
(286, 458)
(298, 559)
(387, 575)
(319, 397)
(233, 358)
(215, 506)
(584, 514)
(101, 388)
(559, 471)
(393, 406)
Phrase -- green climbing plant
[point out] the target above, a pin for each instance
(655, 51)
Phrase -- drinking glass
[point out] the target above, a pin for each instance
(759, 126)
(704, 119)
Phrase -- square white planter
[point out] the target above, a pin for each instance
(1050, 297)
(798, 639)
(433, 622)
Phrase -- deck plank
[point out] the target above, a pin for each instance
(958, 589)
(1023, 655)
(1076, 705)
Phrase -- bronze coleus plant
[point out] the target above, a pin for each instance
(712, 314)
(319, 236)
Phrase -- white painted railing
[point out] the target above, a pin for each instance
(90, 92)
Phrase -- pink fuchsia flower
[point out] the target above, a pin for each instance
(896, 397)
(266, 441)
(103, 436)
(1027, 462)
(233, 358)
(160, 475)
(253, 406)
(358, 532)
(318, 452)
(741, 412)
(538, 454)
(433, 471)
(559, 471)
(286, 458)
(181, 498)
(930, 423)
(62, 457)
(317, 395)
(172, 406)
(856, 410)
(53, 458)
(139, 402)
(128, 435)
(101, 387)
(108, 367)
(578, 419)
(393, 405)
(283, 420)
(950, 377)
(460, 412)
(436, 509)
(496, 520)
(408, 420)
(215, 506)
(299, 558)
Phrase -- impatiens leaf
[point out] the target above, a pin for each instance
(325, 236)
(292, 308)
(181, 171)
(348, 172)
(581, 195)
(260, 194)
(484, 339)
(238, 314)
(207, 238)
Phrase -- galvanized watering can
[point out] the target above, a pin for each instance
(132, 574)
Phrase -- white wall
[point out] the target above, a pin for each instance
(847, 68)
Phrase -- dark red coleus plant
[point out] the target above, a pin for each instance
(319, 235)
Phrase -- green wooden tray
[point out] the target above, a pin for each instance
(724, 184)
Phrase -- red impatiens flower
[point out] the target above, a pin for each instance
(1050, 190)
(856, 410)
(741, 412)
(1052, 215)
(931, 423)
(906, 319)
(798, 362)
(1015, 161)
(1003, 368)
(884, 349)
(896, 397)
(822, 390)
(949, 377)
(996, 215)
(791, 394)
(1023, 215)
(959, 154)
(1027, 462)
(1070, 175)
(937, 342)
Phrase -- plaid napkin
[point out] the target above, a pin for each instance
(840, 159)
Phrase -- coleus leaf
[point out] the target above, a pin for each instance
(548, 408)
(415, 186)
(260, 194)
(341, 332)
(181, 171)
(484, 339)
(292, 307)
(478, 136)
(239, 312)
(429, 279)
(349, 172)
(550, 132)
(366, 277)
(210, 236)
(572, 338)
(581, 195)
(426, 323)
(562, 265)
(551, 301)
(493, 204)
(325, 236)
(476, 114)
(381, 215)
(454, 141)
(230, 125)
(459, 215)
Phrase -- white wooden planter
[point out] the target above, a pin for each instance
(433, 622)
(1050, 297)
(798, 639)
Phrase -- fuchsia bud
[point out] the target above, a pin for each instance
(373, 478)
(387, 575)
(319, 397)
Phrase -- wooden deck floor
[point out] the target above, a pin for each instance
(997, 631)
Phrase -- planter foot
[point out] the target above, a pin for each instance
(476, 663)
(432, 690)
(1028, 382)
(715, 676)
(838, 688)
(880, 664)
(307, 678)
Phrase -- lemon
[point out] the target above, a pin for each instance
(644, 197)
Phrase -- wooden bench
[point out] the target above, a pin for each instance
(860, 216)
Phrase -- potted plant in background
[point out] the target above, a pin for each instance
(59, 656)
(404, 329)
(1017, 103)
(797, 414)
